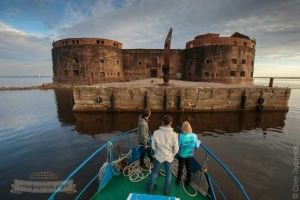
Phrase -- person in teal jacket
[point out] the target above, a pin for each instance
(187, 142)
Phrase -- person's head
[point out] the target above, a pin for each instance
(186, 127)
(167, 120)
(147, 113)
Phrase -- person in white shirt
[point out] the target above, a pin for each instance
(165, 147)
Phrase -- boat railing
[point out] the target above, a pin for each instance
(87, 160)
(208, 152)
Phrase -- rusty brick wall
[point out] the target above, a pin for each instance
(215, 64)
(75, 63)
(193, 99)
(138, 63)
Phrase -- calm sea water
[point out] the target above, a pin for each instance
(40, 133)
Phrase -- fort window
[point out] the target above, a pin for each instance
(243, 61)
(233, 61)
(102, 41)
(73, 41)
(166, 46)
(206, 74)
(101, 60)
(114, 74)
(98, 41)
(232, 73)
(251, 74)
(102, 74)
(117, 62)
(77, 41)
(114, 44)
(217, 75)
(213, 75)
(66, 42)
(242, 74)
(118, 73)
(234, 43)
(207, 61)
(245, 44)
(75, 60)
(140, 63)
(76, 72)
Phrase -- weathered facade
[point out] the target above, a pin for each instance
(206, 58)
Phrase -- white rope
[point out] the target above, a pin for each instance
(175, 166)
(116, 162)
(135, 172)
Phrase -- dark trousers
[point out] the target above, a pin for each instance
(142, 156)
(188, 166)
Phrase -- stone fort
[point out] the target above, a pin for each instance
(208, 57)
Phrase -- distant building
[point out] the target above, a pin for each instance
(206, 58)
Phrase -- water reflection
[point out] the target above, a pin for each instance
(203, 123)
(64, 103)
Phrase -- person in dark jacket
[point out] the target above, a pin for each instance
(144, 137)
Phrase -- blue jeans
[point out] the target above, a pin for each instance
(168, 169)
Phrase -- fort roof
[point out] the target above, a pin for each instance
(239, 35)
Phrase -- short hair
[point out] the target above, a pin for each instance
(167, 120)
(186, 127)
(147, 112)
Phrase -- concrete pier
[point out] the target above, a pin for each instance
(194, 97)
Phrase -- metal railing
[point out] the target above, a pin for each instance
(207, 151)
(88, 159)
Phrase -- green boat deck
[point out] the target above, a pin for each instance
(119, 187)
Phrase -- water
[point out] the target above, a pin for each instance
(23, 81)
(40, 133)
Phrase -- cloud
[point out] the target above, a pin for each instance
(22, 53)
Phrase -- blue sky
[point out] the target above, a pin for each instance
(28, 27)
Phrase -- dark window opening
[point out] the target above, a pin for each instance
(232, 73)
(207, 61)
(118, 73)
(245, 44)
(243, 61)
(114, 44)
(76, 72)
(73, 41)
(206, 74)
(233, 61)
(102, 42)
(217, 75)
(66, 42)
(75, 60)
(251, 74)
(77, 41)
(98, 41)
(213, 75)
(101, 60)
(140, 63)
(117, 62)
(242, 74)
(166, 46)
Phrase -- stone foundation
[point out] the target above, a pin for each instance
(194, 98)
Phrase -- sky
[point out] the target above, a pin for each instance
(28, 28)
